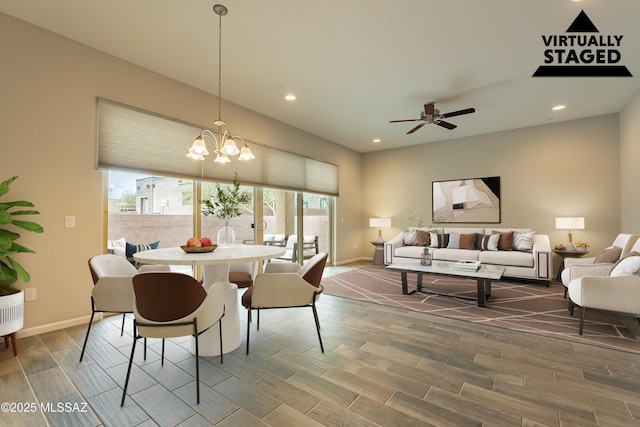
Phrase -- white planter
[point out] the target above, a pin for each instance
(11, 313)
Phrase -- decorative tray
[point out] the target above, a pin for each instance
(198, 249)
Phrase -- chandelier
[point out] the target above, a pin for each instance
(225, 143)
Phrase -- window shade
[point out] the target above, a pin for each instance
(135, 140)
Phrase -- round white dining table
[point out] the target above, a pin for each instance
(215, 267)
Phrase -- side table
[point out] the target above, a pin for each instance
(378, 256)
(567, 254)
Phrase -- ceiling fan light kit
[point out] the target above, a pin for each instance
(431, 115)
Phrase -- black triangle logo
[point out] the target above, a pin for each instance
(582, 24)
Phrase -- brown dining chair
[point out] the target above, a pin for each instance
(169, 305)
(286, 286)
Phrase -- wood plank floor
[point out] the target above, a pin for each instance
(382, 367)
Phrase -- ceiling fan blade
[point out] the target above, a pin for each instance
(407, 120)
(416, 128)
(429, 109)
(459, 112)
(446, 124)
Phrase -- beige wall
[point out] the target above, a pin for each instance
(629, 170)
(49, 87)
(561, 169)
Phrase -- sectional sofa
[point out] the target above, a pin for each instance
(524, 253)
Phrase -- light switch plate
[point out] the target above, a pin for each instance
(70, 221)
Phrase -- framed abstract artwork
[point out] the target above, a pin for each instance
(470, 200)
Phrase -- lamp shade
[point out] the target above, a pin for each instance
(570, 223)
(379, 222)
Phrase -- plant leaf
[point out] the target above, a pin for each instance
(29, 225)
(8, 275)
(21, 272)
(4, 187)
(8, 205)
(5, 217)
(14, 213)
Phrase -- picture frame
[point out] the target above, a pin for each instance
(468, 200)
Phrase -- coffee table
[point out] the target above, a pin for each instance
(484, 275)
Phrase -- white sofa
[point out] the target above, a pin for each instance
(534, 263)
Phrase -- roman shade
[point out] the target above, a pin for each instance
(130, 139)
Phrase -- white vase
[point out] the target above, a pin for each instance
(226, 237)
(11, 313)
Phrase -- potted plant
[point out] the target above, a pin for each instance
(225, 204)
(11, 298)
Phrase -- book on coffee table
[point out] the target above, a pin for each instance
(467, 265)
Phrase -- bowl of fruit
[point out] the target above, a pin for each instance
(199, 246)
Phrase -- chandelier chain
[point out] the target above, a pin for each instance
(220, 67)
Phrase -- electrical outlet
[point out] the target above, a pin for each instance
(70, 221)
(355, 246)
(30, 294)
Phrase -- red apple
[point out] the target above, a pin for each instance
(205, 241)
(194, 242)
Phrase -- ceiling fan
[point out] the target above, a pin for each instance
(431, 115)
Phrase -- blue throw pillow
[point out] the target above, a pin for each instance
(132, 249)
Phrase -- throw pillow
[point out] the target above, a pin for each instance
(608, 256)
(454, 241)
(439, 240)
(628, 266)
(409, 238)
(505, 242)
(523, 241)
(489, 242)
(423, 238)
(132, 249)
(478, 242)
(467, 241)
(117, 247)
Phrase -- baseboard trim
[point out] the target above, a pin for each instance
(50, 327)
(349, 261)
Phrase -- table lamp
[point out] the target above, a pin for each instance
(379, 223)
(570, 223)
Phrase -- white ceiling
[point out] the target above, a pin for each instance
(356, 64)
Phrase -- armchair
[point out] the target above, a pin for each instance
(309, 248)
(243, 273)
(285, 286)
(600, 264)
(171, 305)
(618, 294)
(112, 288)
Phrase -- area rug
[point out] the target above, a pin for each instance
(516, 305)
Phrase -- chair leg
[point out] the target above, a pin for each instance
(126, 381)
(162, 357)
(582, 310)
(248, 328)
(258, 319)
(315, 316)
(220, 327)
(571, 306)
(195, 328)
(124, 317)
(565, 293)
(86, 337)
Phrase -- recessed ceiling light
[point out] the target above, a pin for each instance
(377, 140)
(290, 97)
(559, 107)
